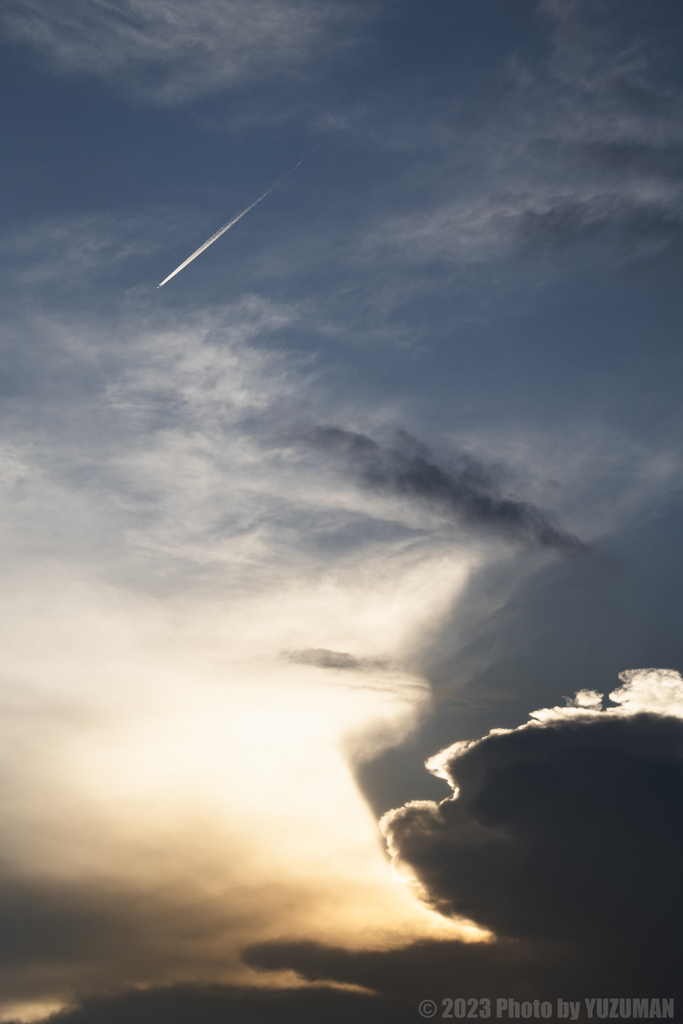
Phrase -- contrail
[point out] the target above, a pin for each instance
(230, 223)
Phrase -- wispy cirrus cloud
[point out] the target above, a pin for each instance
(171, 52)
(72, 249)
(634, 223)
(584, 148)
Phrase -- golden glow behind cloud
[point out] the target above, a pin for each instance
(168, 774)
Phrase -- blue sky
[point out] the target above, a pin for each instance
(294, 508)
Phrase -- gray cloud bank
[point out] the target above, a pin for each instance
(467, 492)
(563, 837)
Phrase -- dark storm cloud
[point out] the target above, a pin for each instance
(410, 974)
(320, 657)
(553, 824)
(467, 492)
(516, 639)
(436, 970)
(220, 1004)
(565, 841)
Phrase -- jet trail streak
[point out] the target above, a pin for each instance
(230, 223)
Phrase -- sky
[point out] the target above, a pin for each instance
(341, 608)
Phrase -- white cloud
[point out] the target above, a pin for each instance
(654, 690)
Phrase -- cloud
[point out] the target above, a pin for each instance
(378, 675)
(467, 492)
(563, 837)
(636, 220)
(636, 228)
(169, 554)
(414, 972)
(580, 148)
(94, 934)
(158, 557)
(649, 690)
(217, 1003)
(73, 249)
(563, 830)
(333, 659)
(171, 52)
(189, 782)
